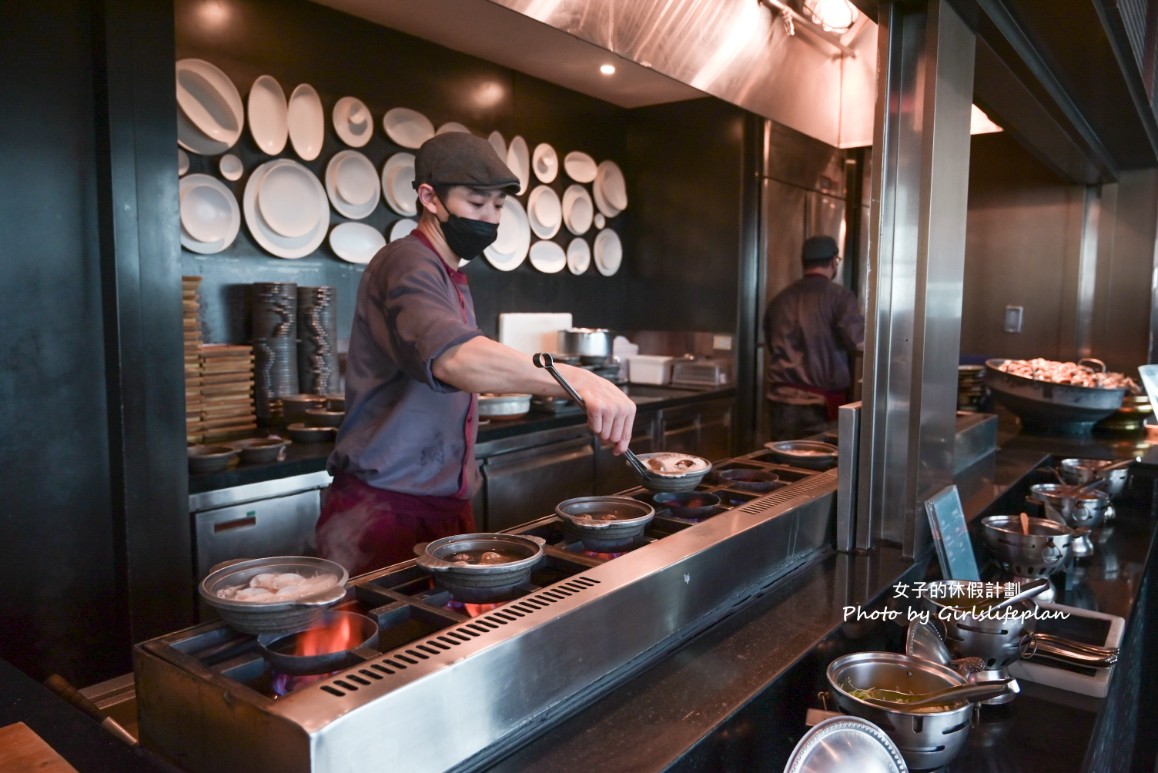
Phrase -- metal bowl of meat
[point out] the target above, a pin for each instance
(270, 595)
(605, 524)
(1055, 396)
(481, 568)
(928, 737)
(810, 454)
(671, 471)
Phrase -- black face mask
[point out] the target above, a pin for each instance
(468, 238)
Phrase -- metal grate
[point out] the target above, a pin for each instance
(397, 661)
(808, 488)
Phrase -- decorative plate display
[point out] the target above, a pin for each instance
(402, 229)
(268, 115)
(545, 162)
(182, 162)
(210, 218)
(291, 215)
(307, 122)
(610, 189)
(578, 256)
(452, 126)
(545, 212)
(209, 102)
(579, 166)
(608, 252)
(230, 167)
(356, 242)
(352, 121)
(510, 249)
(398, 184)
(498, 143)
(548, 257)
(519, 162)
(406, 127)
(577, 209)
(352, 184)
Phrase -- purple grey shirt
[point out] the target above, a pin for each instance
(405, 430)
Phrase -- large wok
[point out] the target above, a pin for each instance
(1043, 405)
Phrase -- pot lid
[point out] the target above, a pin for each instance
(845, 743)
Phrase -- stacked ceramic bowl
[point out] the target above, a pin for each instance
(274, 345)
(318, 340)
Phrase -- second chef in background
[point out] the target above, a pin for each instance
(403, 463)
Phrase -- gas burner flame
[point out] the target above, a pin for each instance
(330, 634)
(283, 684)
(473, 610)
(603, 556)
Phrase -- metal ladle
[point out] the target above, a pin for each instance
(974, 692)
(545, 361)
(1027, 591)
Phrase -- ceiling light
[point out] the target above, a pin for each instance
(832, 15)
(607, 69)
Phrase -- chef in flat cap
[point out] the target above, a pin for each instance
(403, 464)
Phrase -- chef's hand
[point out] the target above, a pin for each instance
(610, 412)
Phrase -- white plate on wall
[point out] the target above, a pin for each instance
(499, 144)
(600, 220)
(398, 184)
(210, 101)
(307, 122)
(510, 248)
(452, 126)
(194, 140)
(182, 162)
(402, 229)
(210, 217)
(608, 252)
(268, 115)
(579, 166)
(352, 184)
(519, 162)
(290, 199)
(578, 256)
(609, 184)
(545, 162)
(230, 167)
(548, 257)
(545, 212)
(406, 127)
(267, 238)
(577, 209)
(356, 242)
(352, 121)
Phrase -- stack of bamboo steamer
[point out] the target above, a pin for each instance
(191, 332)
(219, 402)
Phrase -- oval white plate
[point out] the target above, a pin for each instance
(545, 162)
(577, 209)
(210, 100)
(452, 126)
(194, 140)
(230, 167)
(545, 211)
(608, 252)
(352, 184)
(398, 184)
(519, 161)
(578, 256)
(356, 242)
(406, 127)
(307, 122)
(182, 162)
(510, 249)
(610, 184)
(402, 228)
(267, 110)
(498, 143)
(352, 121)
(210, 207)
(601, 202)
(600, 220)
(579, 166)
(288, 199)
(548, 257)
(269, 239)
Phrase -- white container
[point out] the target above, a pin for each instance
(649, 369)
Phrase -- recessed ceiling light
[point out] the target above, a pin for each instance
(607, 69)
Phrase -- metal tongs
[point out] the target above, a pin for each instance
(544, 360)
(972, 692)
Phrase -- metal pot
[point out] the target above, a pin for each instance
(1081, 511)
(605, 524)
(1082, 471)
(1038, 554)
(279, 649)
(481, 583)
(275, 616)
(593, 345)
(926, 738)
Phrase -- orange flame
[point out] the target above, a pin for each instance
(327, 636)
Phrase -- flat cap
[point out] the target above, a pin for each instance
(818, 249)
(458, 158)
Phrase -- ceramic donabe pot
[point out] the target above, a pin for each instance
(481, 568)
